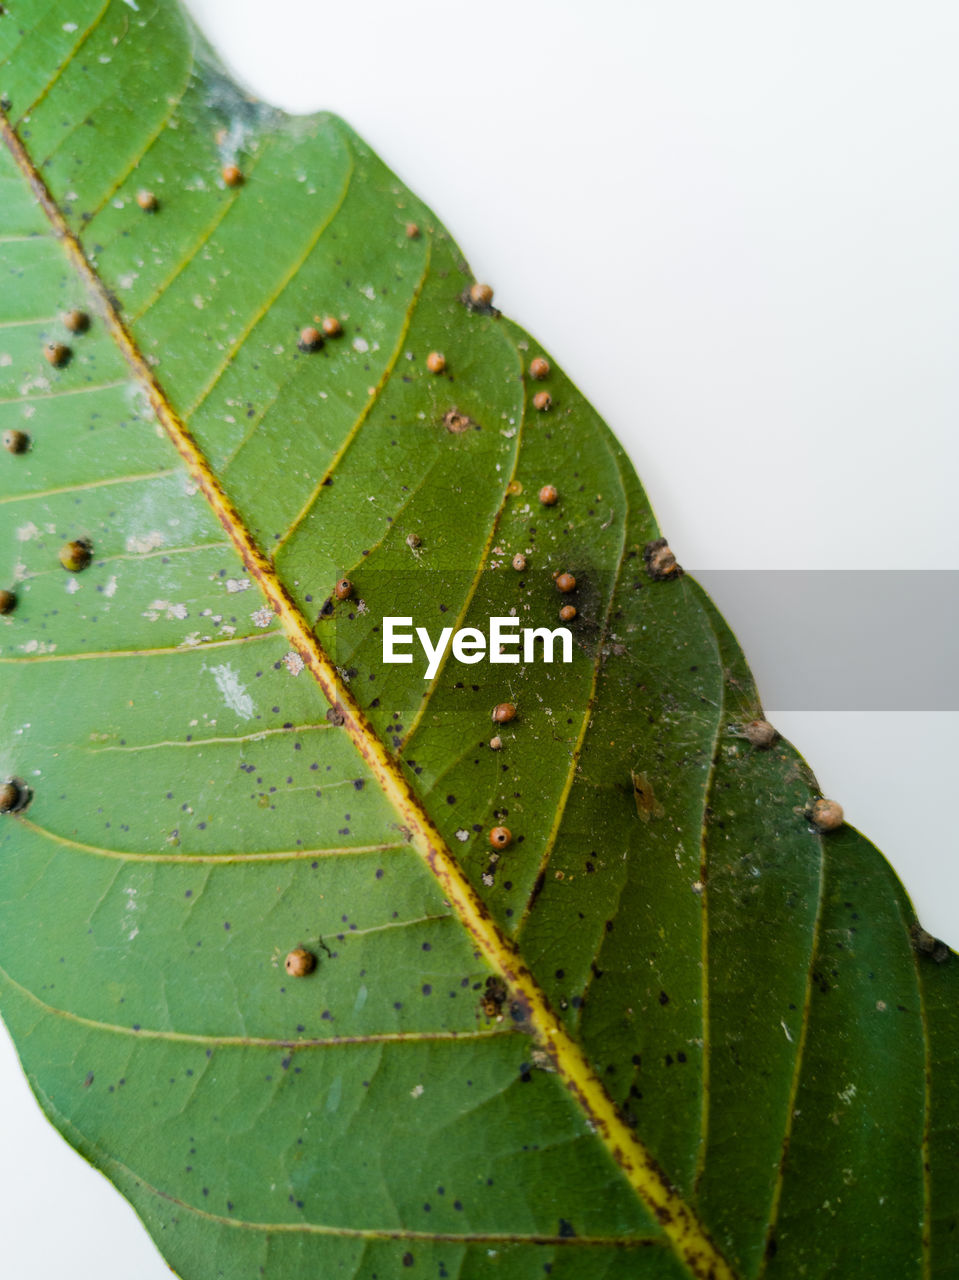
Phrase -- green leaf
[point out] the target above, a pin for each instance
(671, 1030)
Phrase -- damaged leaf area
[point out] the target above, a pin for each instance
(323, 976)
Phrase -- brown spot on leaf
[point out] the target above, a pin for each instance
(456, 422)
(15, 795)
(310, 338)
(75, 556)
(647, 806)
(660, 561)
(299, 962)
(925, 944)
(77, 321)
(825, 815)
(760, 733)
(57, 353)
(494, 997)
(16, 441)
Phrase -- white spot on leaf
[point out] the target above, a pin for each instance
(234, 693)
(140, 545)
(293, 662)
(165, 609)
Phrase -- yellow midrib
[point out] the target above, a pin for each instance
(679, 1223)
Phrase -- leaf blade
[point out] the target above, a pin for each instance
(487, 359)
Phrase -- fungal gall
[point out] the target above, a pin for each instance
(15, 441)
(147, 201)
(8, 602)
(332, 327)
(542, 401)
(232, 175)
(504, 712)
(565, 582)
(926, 944)
(14, 796)
(548, 495)
(57, 353)
(519, 562)
(539, 368)
(436, 362)
(299, 962)
(825, 815)
(501, 837)
(494, 997)
(343, 589)
(76, 321)
(481, 295)
(310, 339)
(660, 561)
(76, 555)
(457, 422)
(567, 613)
(760, 733)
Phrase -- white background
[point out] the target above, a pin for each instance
(735, 226)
